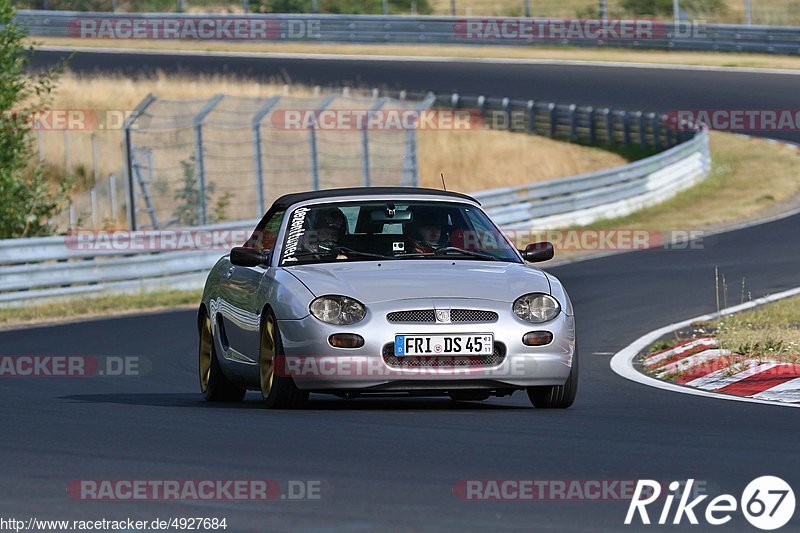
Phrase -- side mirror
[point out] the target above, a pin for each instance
(538, 252)
(249, 257)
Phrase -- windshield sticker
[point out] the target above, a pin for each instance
(295, 233)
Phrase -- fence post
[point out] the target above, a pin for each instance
(603, 10)
(93, 203)
(453, 8)
(410, 170)
(528, 8)
(144, 104)
(573, 122)
(95, 170)
(312, 139)
(626, 128)
(531, 116)
(315, 6)
(482, 105)
(676, 9)
(592, 126)
(365, 143)
(611, 138)
(112, 192)
(199, 160)
(259, 164)
(642, 130)
(551, 108)
(507, 113)
(748, 14)
(668, 131)
(385, 7)
(654, 125)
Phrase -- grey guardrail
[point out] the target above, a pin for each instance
(53, 268)
(447, 30)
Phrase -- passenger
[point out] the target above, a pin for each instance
(427, 230)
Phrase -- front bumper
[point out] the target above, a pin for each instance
(315, 365)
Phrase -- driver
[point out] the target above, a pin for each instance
(326, 227)
(427, 230)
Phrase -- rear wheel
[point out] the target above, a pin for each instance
(557, 396)
(279, 391)
(213, 383)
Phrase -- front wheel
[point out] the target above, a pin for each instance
(279, 391)
(213, 383)
(556, 396)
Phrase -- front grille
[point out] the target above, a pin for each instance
(428, 316)
(417, 316)
(472, 315)
(444, 361)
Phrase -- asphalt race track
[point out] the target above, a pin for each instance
(391, 464)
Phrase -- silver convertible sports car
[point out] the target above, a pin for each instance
(390, 291)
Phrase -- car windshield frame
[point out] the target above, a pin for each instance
(292, 248)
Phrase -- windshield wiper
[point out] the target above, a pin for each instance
(344, 250)
(452, 250)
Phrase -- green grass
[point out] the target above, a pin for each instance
(771, 330)
(99, 306)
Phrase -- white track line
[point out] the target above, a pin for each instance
(622, 362)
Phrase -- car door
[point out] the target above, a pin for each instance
(240, 312)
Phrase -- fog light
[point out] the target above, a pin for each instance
(346, 340)
(537, 338)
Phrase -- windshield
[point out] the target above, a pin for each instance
(370, 231)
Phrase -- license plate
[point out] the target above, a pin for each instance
(411, 345)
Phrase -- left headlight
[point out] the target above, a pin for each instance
(337, 310)
(536, 307)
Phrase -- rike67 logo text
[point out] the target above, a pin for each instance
(767, 503)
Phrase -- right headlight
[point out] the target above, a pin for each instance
(337, 310)
(536, 307)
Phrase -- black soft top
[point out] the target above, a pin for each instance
(291, 199)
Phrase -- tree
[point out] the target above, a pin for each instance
(27, 198)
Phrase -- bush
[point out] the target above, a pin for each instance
(27, 199)
(663, 8)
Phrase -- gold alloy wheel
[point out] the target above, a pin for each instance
(205, 354)
(266, 356)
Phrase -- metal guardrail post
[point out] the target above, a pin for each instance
(552, 113)
(199, 160)
(592, 126)
(312, 139)
(531, 107)
(642, 130)
(610, 137)
(482, 105)
(131, 120)
(257, 154)
(385, 7)
(573, 122)
(507, 113)
(365, 143)
(528, 8)
(626, 128)
(453, 8)
(656, 127)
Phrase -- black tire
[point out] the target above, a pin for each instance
(214, 385)
(557, 396)
(278, 391)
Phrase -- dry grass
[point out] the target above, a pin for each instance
(750, 179)
(507, 52)
(485, 159)
(462, 155)
(101, 306)
(771, 330)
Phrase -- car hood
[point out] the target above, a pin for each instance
(371, 282)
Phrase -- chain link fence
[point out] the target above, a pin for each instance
(768, 12)
(199, 162)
